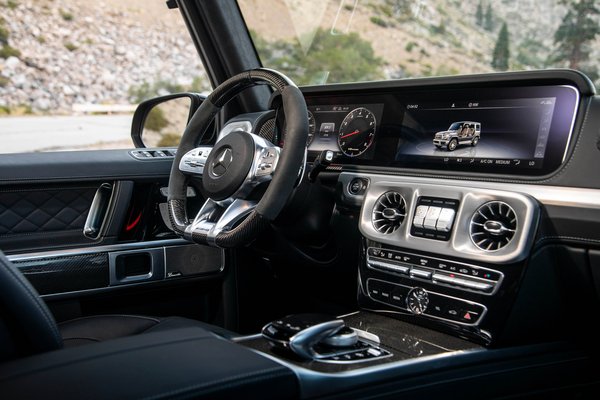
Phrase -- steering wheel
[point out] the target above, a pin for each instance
(235, 165)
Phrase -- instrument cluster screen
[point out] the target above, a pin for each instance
(348, 130)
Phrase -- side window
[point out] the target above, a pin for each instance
(72, 73)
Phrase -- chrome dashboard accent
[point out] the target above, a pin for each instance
(546, 195)
(470, 198)
(573, 119)
(392, 267)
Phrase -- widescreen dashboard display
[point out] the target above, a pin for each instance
(494, 130)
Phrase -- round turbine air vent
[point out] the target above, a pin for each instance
(493, 226)
(389, 212)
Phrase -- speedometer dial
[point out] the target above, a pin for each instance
(357, 132)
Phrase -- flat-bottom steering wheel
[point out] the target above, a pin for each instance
(236, 165)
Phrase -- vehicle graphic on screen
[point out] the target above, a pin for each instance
(459, 133)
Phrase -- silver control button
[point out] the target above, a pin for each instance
(392, 267)
(420, 214)
(444, 279)
(432, 217)
(420, 273)
(445, 220)
(474, 285)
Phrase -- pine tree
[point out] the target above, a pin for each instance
(488, 22)
(578, 29)
(501, 54)
(479, 14)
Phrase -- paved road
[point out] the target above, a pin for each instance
(26, 134)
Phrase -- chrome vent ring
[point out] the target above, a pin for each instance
(493, 226)
(389, 212)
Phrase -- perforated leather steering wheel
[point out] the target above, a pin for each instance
(235, 165)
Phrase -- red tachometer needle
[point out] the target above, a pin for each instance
(356, 132)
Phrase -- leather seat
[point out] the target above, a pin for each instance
(99, 328)
(27, 326)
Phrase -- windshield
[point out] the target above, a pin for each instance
(455, 126)
(318, 41)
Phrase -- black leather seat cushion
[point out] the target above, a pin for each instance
(99, 328)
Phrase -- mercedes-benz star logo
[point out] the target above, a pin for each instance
(223, 161)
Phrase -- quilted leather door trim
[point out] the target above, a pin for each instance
(45, 217)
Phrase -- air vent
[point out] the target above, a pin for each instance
(493, 226)
(389, 212)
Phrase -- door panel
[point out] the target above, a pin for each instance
(45, 199)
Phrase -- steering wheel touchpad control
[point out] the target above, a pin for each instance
(320, 337)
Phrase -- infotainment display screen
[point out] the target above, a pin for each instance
(488, 132)
(502, 130)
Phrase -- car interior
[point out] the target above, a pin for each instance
(312, 242)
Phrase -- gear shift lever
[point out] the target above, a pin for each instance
(300, 333)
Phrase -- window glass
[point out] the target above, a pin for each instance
(72, 72)
(319, 41)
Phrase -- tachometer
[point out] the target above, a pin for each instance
(357, 132)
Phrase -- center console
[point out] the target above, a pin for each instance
(448, 257)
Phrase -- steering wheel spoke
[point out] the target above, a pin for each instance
(214, 219)
(193, 162)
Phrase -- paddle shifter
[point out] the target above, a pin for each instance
(323, 338)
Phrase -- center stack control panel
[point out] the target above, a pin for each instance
(442, 254)
(434, 303)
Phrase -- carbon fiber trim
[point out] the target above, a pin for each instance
(178, 216)
(66, 274)
(267, 130)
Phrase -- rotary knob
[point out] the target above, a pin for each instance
(417, 300)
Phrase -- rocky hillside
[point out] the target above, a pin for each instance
(422, 37)
(54, 54)
(93, 52)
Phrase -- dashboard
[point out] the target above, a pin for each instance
(450, 183)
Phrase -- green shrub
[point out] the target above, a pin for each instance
(67, 16)
(379, 21)
(8, 51)
(410, 46)
(156, 120)
(3, 35)
(338, 58)
(11, 4)
(169, 140)
(70, 46)
(3, 82)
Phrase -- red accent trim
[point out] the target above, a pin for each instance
(132, 225)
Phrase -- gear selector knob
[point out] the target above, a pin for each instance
(300, 333)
